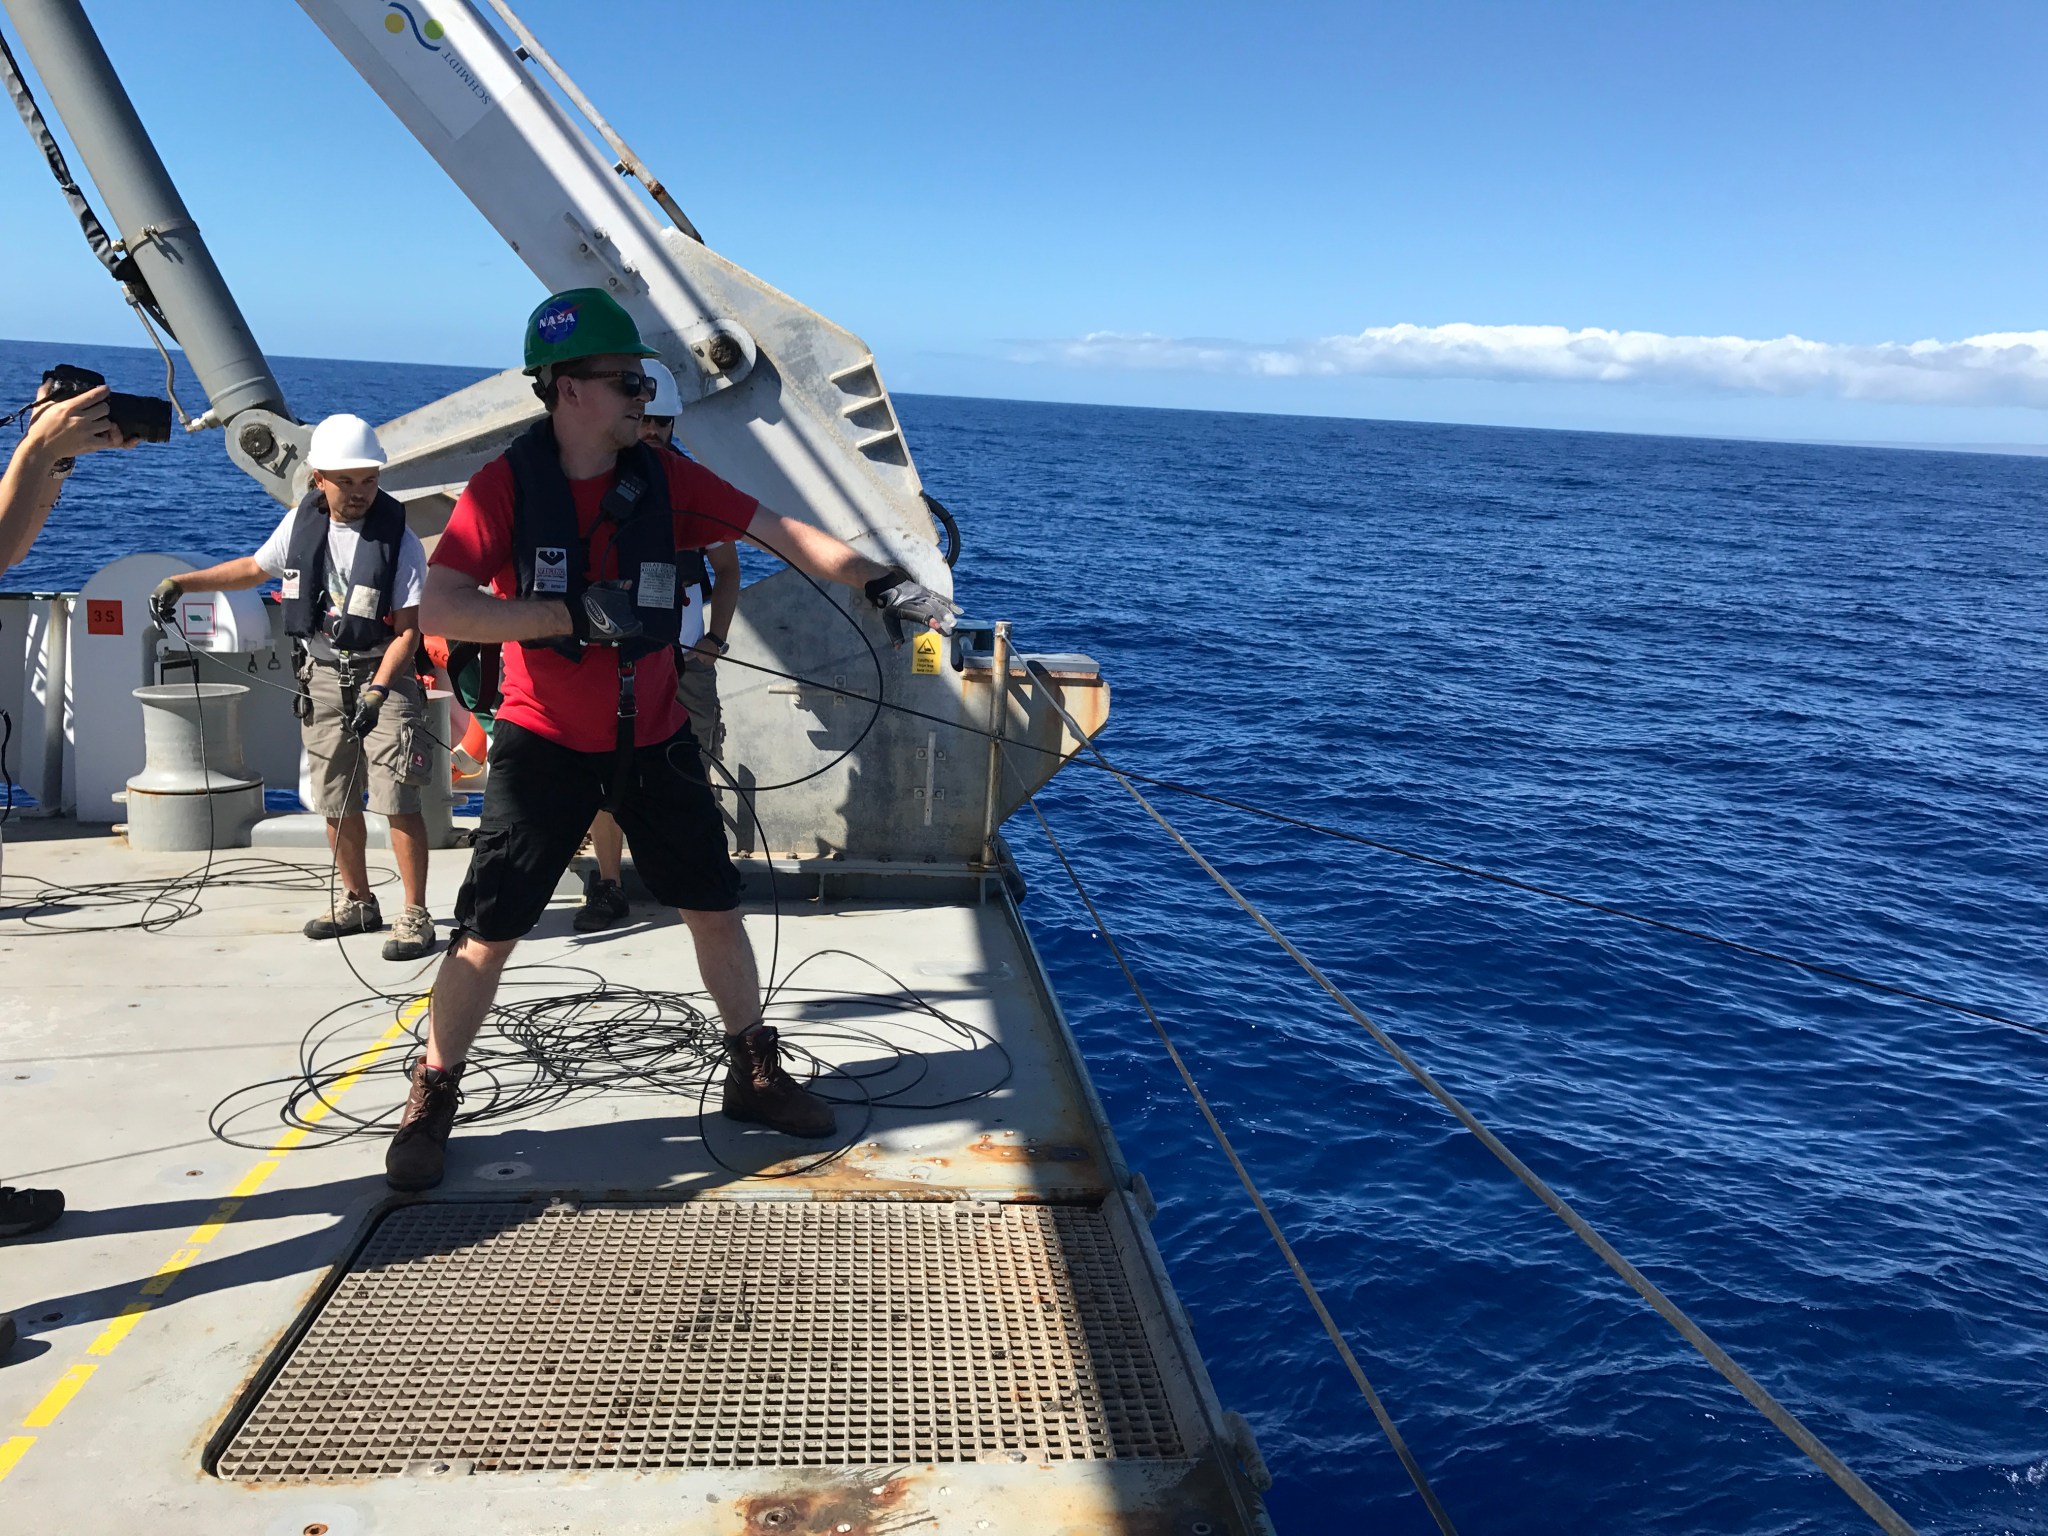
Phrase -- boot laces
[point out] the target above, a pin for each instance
(431, 1092)
(764, 1049)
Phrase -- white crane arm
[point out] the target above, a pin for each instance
(778, 400)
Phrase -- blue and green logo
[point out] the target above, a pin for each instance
(556, 322)
(398, 17)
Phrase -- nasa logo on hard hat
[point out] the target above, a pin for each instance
(557, 322)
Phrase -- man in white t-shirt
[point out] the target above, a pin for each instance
(350, 574)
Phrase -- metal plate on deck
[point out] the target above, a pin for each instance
(714, 1333)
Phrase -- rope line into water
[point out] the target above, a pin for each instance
(1866, 1499)
(1315, 1300)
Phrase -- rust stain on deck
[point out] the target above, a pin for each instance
(858, 1509)
(986, 1146)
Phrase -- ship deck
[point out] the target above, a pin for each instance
(603, 1320)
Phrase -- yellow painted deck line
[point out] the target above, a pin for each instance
(253, 1179)
(67, 1386)
(44, 1414)
(115, 1332)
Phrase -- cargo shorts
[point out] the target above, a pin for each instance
(697, 692)
(538, 803)
(392, 763)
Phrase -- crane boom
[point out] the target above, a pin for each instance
(778, 400)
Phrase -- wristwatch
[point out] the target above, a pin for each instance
(720, 641)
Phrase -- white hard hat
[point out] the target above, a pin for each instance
(668, 400)
(344, 442)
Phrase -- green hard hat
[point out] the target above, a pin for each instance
(582, 322)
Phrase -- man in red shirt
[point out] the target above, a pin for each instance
(575, 531)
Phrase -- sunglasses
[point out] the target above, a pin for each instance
(630, 382)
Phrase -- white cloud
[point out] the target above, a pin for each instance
(2007, 368)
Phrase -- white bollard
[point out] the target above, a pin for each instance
(193, 791)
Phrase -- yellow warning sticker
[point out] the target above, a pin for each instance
(924, 653)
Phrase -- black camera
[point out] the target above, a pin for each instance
(140, 416)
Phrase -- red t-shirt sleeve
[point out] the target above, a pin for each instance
(478, 539)
(708, 511)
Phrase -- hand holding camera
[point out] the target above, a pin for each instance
(78, 414)
(63, 431)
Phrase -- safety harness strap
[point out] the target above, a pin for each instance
(119, 263)
(622, 760)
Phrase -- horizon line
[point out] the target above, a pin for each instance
(1993, 450)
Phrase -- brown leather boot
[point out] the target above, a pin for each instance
(759, 1092)
(413, 1160)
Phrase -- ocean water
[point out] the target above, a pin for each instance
(1790, 694)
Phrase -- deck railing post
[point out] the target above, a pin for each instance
(56, 711)
(998, 713)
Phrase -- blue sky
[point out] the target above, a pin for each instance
(1226, 206)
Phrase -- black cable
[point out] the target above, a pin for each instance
(543, 1051)
(164, 902)
(6, 773)
(248, 678)
(205, 767)
(50, 900)
(874, 657)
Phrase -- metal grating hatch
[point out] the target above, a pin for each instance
(715, 1333)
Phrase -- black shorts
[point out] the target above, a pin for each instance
(538, 803)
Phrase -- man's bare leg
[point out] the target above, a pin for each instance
(347, 836)
(608, 844)
(758, 1090)
(726, 962)
(463, 990)
(409, 848)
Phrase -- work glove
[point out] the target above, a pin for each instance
(606, 616)
(163, 602)
(368, 707)
(900, 598)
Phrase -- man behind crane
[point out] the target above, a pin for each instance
(711, 598)
(577, 531)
